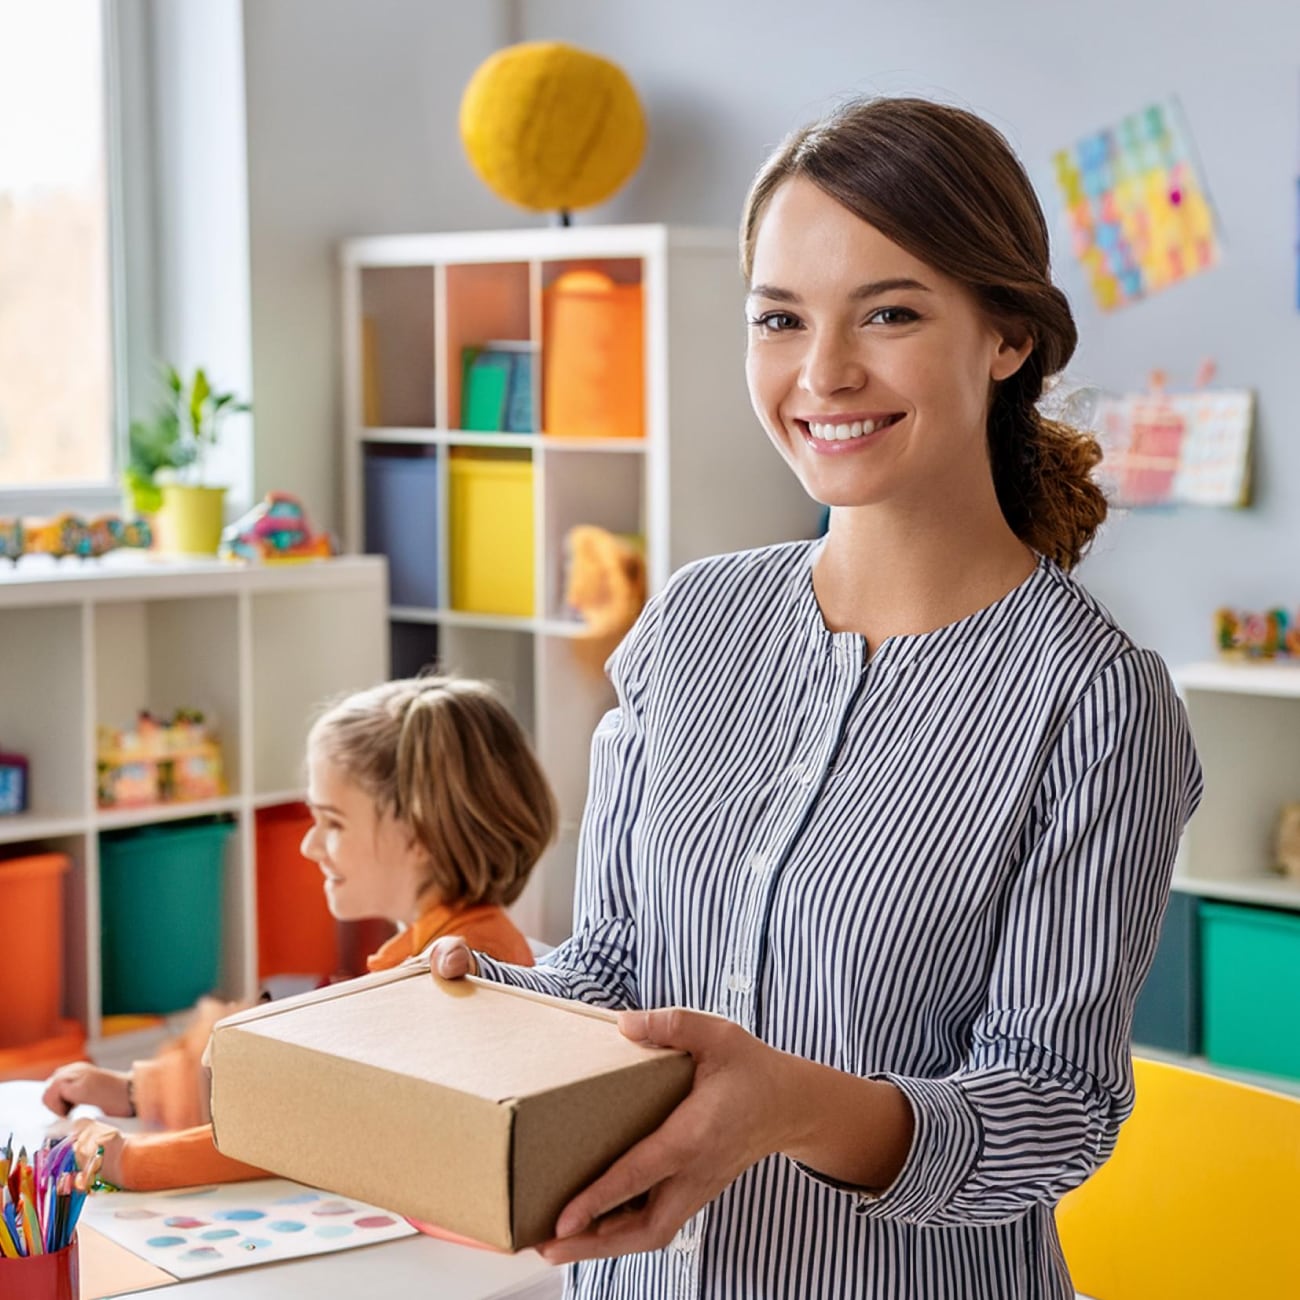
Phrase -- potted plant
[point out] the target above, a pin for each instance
(165, 472)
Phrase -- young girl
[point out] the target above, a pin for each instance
(429, 808)
(898, 808)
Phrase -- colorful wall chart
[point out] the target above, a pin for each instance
(1164, 449)
(213, 1229)
(1139, 213)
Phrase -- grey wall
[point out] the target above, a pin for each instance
(351, 111)
(723, 82)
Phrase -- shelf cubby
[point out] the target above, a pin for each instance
(164, 655)
(43, 662)
(485, 302)
(398, 347)
(585, 487)
(504, 658)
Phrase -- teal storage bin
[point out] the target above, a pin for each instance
(1251, 987)
(160, 915)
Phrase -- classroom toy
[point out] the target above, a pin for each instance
(551, 127)
(1137, 207)
(159, 762)
(14, 783)
(1286, 842)
(1273, 634)
(69, 534)
(606, 586)
(276, 530)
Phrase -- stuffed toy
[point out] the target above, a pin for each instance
(606, 585)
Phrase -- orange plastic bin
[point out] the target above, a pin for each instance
(296, 935)
(593, 364)
(31, 901)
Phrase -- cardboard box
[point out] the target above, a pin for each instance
(471, 1105)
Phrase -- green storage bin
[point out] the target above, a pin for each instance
(1251, 987)
(160, 915)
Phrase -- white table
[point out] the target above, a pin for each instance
(416, 1266)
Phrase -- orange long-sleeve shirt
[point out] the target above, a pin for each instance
(172, 1086)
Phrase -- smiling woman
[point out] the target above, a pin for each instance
(882, 828)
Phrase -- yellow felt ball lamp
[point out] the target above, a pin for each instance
(550, 127)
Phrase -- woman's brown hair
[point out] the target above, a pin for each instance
(944, 185)
(445, 757)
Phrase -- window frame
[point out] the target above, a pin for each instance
(128, 146)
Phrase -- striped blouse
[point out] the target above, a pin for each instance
(942, 863)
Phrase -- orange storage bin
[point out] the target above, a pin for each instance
(31, 903)
(40, 1059)
(296, 935)
(593, 363)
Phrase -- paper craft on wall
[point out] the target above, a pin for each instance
(214, 1229)
(1138, 210)
(1189, 448)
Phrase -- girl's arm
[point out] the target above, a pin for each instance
(155, 1162)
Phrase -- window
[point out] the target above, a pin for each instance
(57, 389)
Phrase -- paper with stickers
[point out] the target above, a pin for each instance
(197, 1231)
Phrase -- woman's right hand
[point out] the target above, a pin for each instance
(451, 958)
(83, 1084)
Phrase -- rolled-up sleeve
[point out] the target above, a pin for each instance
(1038, 1104)
(597, 964)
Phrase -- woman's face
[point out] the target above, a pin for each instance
(371, 864)
(870, 370)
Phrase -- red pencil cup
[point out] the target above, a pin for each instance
(42, 1277)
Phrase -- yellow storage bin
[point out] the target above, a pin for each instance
(491, 533)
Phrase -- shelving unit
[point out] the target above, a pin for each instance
(1246, 721)
(87, 644)
(700, 479)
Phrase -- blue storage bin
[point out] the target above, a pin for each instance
(401, 496)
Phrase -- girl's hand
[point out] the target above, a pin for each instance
(83, 1084)
(89, 1138)
(740, 1109)
(451, 958)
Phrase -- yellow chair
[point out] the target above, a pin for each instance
(1201, 1200)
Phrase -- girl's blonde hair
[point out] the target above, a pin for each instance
(444, 756)
(944, 185)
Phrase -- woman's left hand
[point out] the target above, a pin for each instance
(738, 1111)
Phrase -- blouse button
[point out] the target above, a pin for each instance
(739, 983)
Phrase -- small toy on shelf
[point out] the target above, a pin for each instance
(1286, 842)
(70, 534)
(11, 538)
(607, 585)
(1240, 634)
(275, 530)
(14, 784)
(159, 762)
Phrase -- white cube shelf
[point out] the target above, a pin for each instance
(257, 649)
